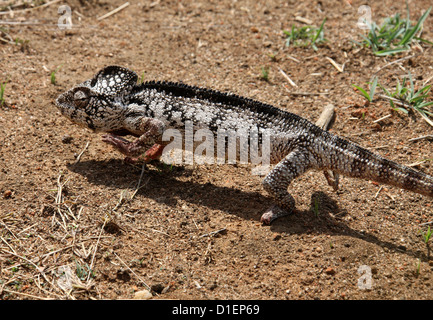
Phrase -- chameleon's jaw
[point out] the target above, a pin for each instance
(64, 104)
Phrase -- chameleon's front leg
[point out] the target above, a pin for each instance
(277, 181)
(149, 143)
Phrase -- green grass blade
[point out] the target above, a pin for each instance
(425, 104)
(363, 92)
(373, 88)
(390, 51)
(411, 31)
(423, 40)
(385, 90)
(319, 31)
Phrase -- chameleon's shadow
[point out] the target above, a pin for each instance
(322, 217)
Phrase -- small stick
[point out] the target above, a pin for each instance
(139, 181)
(335, 64)
(71, 246)
(30, 9)
(378, 191)
(383, 118)
(303, 20)
(395, 61)
(212, 233)
(427, 81)
(293, 58)
(94, 252)
(8, 245)
(123, 6)
(287, 78)
(425, 223)
(25, 259)
(325, 122)
(305, 93)
(396, 101)
(132, 271)
(326, 118)
(416, 163)
(26, 294)
(422, 137)
(81, 153)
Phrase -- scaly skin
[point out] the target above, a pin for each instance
(114, 103)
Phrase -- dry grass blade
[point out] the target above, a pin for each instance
(26, 295)
(287, 77)
(139, 186)
(12, 12)
(142, 281)
(123, 6)
(81, 153)
(335, 64)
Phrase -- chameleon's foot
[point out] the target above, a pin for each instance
(154, 152)
(332, 178)
(119, 143)
(273, 213)
(130, 160)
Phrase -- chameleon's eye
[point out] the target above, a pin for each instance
(81, 99)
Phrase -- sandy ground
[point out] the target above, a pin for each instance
(72, 231)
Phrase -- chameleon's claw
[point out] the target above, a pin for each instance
(119, 143)
(125, 146)
(332, 178)
(116, 141)
(154, 152)
(273, 213)
(130, 160)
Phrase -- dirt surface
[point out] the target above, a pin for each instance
(84, 230)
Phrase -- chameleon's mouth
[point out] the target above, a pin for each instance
(62, 103)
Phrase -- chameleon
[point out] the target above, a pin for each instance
(113, 102)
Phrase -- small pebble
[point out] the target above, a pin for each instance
(67, 138)
(143, 295)
(276, 236)
(330, 271)
(7, 194)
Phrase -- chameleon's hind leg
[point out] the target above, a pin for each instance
(333, 179)
(277, 181)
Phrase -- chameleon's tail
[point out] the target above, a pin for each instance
(352, 160)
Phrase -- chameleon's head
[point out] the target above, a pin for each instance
(98, 103)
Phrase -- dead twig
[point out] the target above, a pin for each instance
(327, 117)
(325, 121)
(305, 93)
(383, 118)
(12, 12)
(428, 137)
(123, 6)
(139, 186)
(378, 191)
(81, 153)
(142, 281)
(396, 61)
(336, 65)
(26, 295)
(213, 233)
(287, 77)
